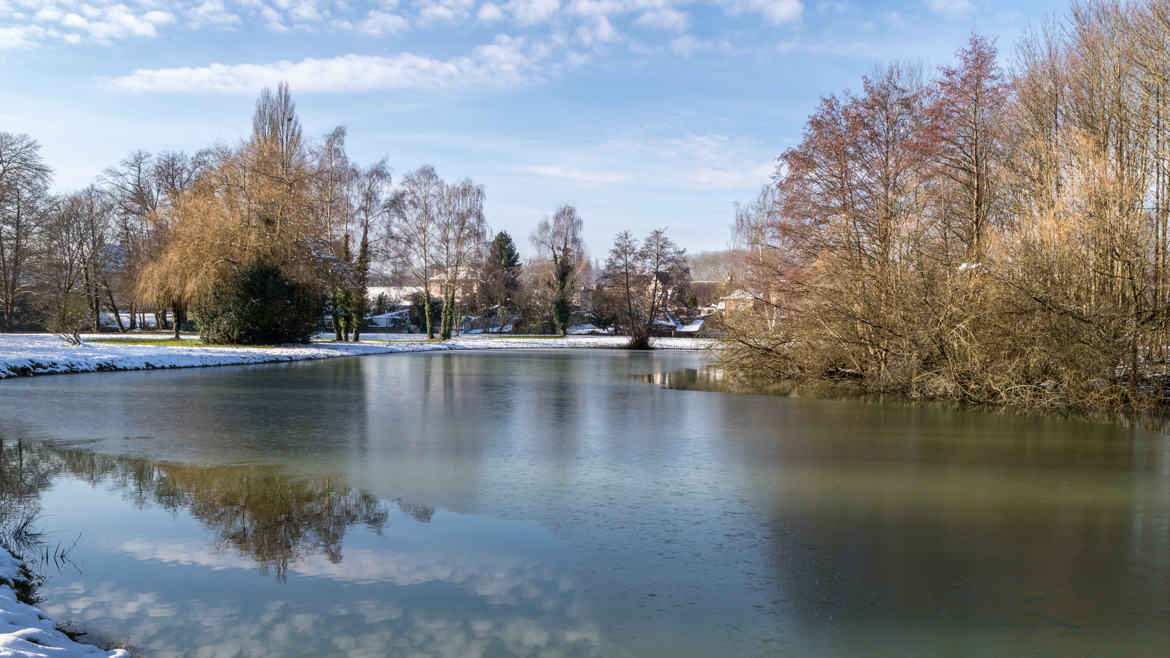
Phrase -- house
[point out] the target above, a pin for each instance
(693, 328)
(740, 300)
(707, 294)
(465, 280)
(392, 322)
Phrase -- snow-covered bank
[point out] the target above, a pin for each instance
(26, 631)
(39, 354)
(497, 341)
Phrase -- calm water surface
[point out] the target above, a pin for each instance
(554, 503)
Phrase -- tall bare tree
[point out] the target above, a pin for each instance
(24, 180)
(966, 140)
(135, 195)
(415, 210)
(333, 188)
(643, 280)
(559, 239)
(460, 234)
(371, 210)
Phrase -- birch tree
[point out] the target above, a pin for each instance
(460, 234)
(414, 212)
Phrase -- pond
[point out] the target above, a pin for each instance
(561, 503)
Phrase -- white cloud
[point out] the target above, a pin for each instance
(575, 59)
(20, 37)
(710, 178)
(73, 20)
(578, 175)
(949, 7)
(211, 12)
(773, 11)
(306, 12)
(489, 13)
(686, 44)
(444, 11)
(49, 14)
(664, 19)
(531, 12)
(378, 23)
(728, 163)
(600, 31)
(506, 61)
(103, 23)
(597, 7)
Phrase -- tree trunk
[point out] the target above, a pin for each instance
(114, 310)
(427, 313)
(335, 317)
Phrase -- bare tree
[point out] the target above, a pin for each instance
(276, 127)
(135, 195)
(966, 136)
(372, 206)
(62, 267)
(94, 216)
(460, 234)
(415, 210)
(24, 179)
(643, 281)
(559, 238)
(333, 189)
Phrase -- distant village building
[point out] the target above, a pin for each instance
(392, 321)
(740, 300)
(466, 282)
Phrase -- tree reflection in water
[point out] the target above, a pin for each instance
(259, 511)
(21, 482)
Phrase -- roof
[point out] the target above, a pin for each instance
(741, 294)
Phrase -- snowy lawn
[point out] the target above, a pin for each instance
(37, 354)
(26, 631)
(511, 341)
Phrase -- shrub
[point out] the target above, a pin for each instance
(259, 306)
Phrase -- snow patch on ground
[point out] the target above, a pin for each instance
(27, 632)
(522, 342)
(38, 354)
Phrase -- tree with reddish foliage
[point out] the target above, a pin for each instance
(966, 130)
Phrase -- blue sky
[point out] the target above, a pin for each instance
(642, 113)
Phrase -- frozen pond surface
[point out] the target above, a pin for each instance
(553, 503)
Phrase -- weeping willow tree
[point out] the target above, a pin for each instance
(246, 247)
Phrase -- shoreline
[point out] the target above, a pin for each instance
(27, 355)
(26, 631)
(29, 632)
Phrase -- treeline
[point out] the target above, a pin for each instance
(224, 236)
(279, 237)
(986, 235)
(270, 241)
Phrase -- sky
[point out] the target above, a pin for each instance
(643, 114)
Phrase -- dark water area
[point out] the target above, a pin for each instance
(568, 503)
